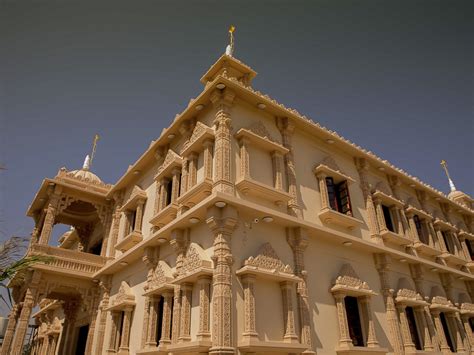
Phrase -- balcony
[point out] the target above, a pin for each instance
(257, 189)
(454, 259)
(426, 249)
(68, 262)
(165, 216)
(129, 241)
(395, 238)
(330, 217)
(196, 194)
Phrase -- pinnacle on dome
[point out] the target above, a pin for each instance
(229, 66)
(456, 195)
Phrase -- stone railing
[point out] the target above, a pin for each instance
(70, 262)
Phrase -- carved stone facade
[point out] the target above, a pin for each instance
(228, 236)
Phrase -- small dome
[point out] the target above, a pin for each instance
(86, 175)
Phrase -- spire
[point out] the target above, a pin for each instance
(451, 183)
(87, 163)
(230, 47)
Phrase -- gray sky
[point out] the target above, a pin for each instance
(401, 70)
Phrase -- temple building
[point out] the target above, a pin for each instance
(247, 228)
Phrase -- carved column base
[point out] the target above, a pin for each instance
(203, 336)
(221, 350)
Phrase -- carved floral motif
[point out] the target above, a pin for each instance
(268, 259)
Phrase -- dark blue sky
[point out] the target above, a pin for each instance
(395, 77)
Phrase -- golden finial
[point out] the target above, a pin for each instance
(230, 48)
(94, 146)
(445, 167)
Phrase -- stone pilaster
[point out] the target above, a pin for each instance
(52, 209)
(184, 176)
(288, 311)
(222, 222)
(287, 127)
(166, 324)
(185, 326)
(444, 347)
(382, 264)
(192, 169)
(24, 318)
(125, 338)
(222, 101)
(363, 169)
(176, 314)
(207, 160)
(407, 340)
(175, 184)
(345, 340)
(164, 192)
(467, 330)
(70, 308)
(277, 162)
(105, 285)
(244, 158)
(152, 323)
(10, 331)
(117, 216)
(323, 191)
(298, 241)
(250, 327)
(93, 318)
(427, 342)
(204, 283)
(457, 330)
(139, 217)
(114, 332)
(372, 341)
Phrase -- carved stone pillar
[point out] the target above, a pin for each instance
(455, 326)
(465, 251)
(468, 330)
(93, 319)
(250, 327)
(105, 285)
(70, 309)
(277, 161)
(10, 331)
(380, 215)
(192, 169)
(23, 320)
(400, 221)
(184, 176)
(413, 232)
(186, 295)
(114, 332)
(164, 193)
(176, 314)
(166, 323)
(180, 242)
(288, 311)
(156, 207)
(427, 343)
(323, 191)
(50, 217)
(287, 127)
(440, 331)
(54, 343)
(417, 276)
(382, 263)
(222, 222)
(207, 160)
(363, 168)
(366, 309)
(139, 217)
(175, 184)
(117, 216)
(407, 340)
(345, 340)
(244, 158)
(204, 283)
(222, 101)
(442, 243)
(153, 317)
(298, 241)
(125, 338)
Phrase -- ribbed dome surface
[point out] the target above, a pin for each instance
(86, 175)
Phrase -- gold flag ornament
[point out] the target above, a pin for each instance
(231, 29)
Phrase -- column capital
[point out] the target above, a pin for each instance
(222, 220)
(285, 125)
